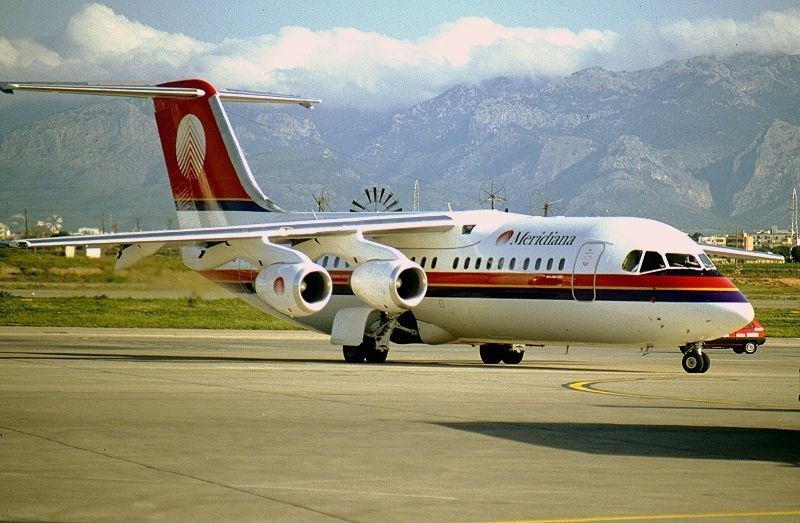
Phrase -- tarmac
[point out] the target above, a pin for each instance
(108, 424)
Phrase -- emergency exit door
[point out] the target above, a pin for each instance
(584, 272)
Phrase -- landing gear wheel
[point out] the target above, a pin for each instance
(491, 353)
(693, 362)
(375, 355)
(750, 348)
(706, 362)
(512, 356)
(354, 354)
(358, 353)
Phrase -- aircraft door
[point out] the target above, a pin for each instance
(584, 272)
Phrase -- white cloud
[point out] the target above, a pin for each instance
(347, 65)
(769, 33)
(24, 54)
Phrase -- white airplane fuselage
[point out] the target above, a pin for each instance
(505, 277)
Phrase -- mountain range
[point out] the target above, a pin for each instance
(704, 144)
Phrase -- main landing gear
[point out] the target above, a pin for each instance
(695, 361)
(375, 345)
(494, 353)
(367, 351)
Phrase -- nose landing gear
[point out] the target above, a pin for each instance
(695, 361)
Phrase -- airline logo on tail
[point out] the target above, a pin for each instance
(190, 147)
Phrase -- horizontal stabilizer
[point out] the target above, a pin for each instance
(152, 91)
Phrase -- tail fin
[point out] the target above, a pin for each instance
(211, 182)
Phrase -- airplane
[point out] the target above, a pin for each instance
(497, 280)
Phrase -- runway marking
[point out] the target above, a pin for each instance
(343, 491)
(592, 387)
(668, 517)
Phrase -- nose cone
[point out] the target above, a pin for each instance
(729, 317)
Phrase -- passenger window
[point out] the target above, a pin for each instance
(631, 261)
(652, 261)
(511, 264)
(549, 264)
(489, 264)
(683, 261)
(500, 264)
(325, 261)
(561, 264)
(455, 263)
(466, 262)
(538, 264)
(526, 264)
(477, 263)
(433, 262)
(422, 262)
(413, 258)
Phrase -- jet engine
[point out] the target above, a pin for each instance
(295, 289)
(389, 285)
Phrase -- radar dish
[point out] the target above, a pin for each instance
(376, 199)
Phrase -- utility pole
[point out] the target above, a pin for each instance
(416, 195)
(25, 213)
(793, 230)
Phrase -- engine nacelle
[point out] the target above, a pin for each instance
(295, 289)
(389, 285)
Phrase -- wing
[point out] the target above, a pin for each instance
(288, 230)
(740, 254)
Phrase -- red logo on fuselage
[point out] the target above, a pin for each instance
(504, 238)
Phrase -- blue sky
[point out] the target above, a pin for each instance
(373, 52)
(217, 19)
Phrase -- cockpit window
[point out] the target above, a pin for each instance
(652, 261)
(631, 261)
(683, 261)
(707, 261)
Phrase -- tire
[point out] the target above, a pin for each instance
(738, 350)
(692, 362)
(706, 362)
(376, 356)
(750, 347)
(354, 353)
(512, 357)
(491, 353)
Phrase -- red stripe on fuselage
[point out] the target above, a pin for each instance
(523, 280)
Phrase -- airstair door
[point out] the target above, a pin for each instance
(584, 272)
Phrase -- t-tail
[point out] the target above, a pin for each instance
(211, 182)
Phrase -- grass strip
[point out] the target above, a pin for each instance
(780, 323)
(97, 312)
